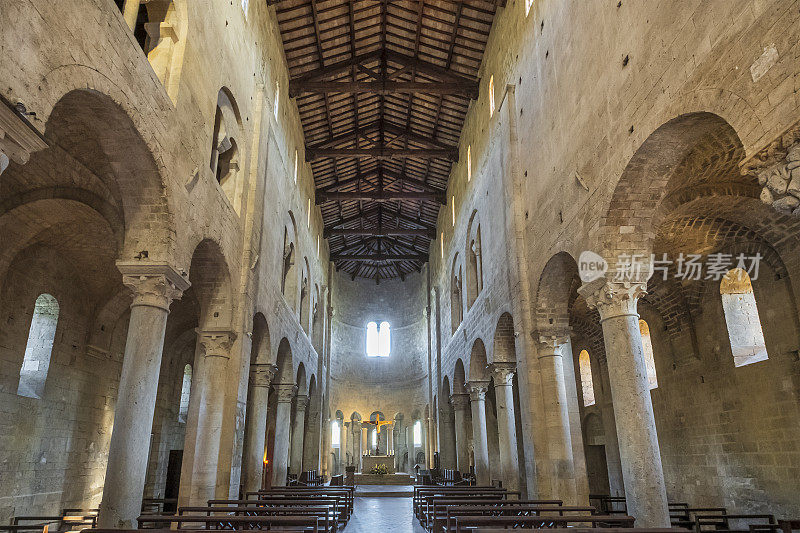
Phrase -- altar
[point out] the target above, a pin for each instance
(368, 462)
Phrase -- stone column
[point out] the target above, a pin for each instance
(460, 407)
(154, 287)
(216, 345)
(255, 428)
(355, 427)
(477, 397)
(283, 419)
(645, 491)
(342, 446)
(506, 423)
(364, 444)
(298, 434)
(556, 418)
(615, 483)
(390, 440)
(131, 12)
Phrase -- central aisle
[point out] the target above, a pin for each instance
(381, 514)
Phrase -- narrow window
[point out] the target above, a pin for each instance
(245, 5)
(491, 96)
(649, 360)
(528, 5)
(277, 98)
(295, 166)
(586, 378)
(308, 214)
(372, 340)
(374, 438)
(186, 387)
(384, 340)
(33, 373)
(441, 244)
(417, 433)
(317, 245)
(453, 209)
(741, 317)
(335, 443)
(469, 163)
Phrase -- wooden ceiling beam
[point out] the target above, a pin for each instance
(469, 89)
(377, 196)
(380, 258)
(416, 232)
(382, 153)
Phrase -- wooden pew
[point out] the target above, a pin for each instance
(435, 507)
(682, 516)
(159, 505)
(333, 505)
(423, 494)
(471, 523)
(345, 494)
(294, 509)
(447, 524)
(721, 522)
(308, 523)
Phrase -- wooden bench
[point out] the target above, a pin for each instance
(435, 508)
(722, 522)
(334, 506)
(609, 504)
(470, 523)
(345, 494)
(447, 524)
(422, 492)
(308, 523)
(159, 505)
(682, 516)
(307, 509)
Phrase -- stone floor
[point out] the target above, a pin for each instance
(387, 491)
(378, 515)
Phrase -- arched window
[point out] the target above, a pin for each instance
(417, 433)
(649, 360)
(384, 340)
(374, 438)
(741, 317)
(225, 154)
(456, 300)
(528, 5)
(33, 373)
(186, 387)
(586, 378)
(378, 341)
(335, 442)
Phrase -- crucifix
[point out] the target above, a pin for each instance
(378, 424)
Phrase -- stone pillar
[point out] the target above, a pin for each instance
(615, 483)
(154, 287)
(460, 406)
(283, 419)
(364, 444)
(255, 428)
(216, 345)
(506, 423)
(342, 446)
(559, 437)
(298, 434)
(477, 397)
(645, 491)
(355, 427)
(390, 440)
(131, 12)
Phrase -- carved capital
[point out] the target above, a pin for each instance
(302, 402)
(18, 139)
(261, 375)
(503, 373)
(549, 342)
(216, 343)
(477, 390)
(613, 299)
(153, 284)
(460, 401)
(285, 391)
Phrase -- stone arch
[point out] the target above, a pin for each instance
(478, 364)
(355, 416)
(300, 380)
(456, 294)
(555, 292)
(635, 208)
(227, 148)
(284, 363)
(474, 260)
(459, 377)
(260, 351)
(504, 346)
(166, 28)
(211, 283)
(90, 128)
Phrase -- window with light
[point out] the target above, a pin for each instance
(379, 341)
(374, 438)
(417, 433)
(335, 442)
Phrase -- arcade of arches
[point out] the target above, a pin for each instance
(551, 244)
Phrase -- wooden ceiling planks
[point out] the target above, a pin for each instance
(382, 87)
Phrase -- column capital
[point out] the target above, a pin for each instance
(18, 139)
(477, 390)
(216, 343)
(612, 298)
(503, 373)
(302, 402)
(550, 341)
(356, 425)
(285, 391)
(153, 284)
(460, 401)
(261, 375)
